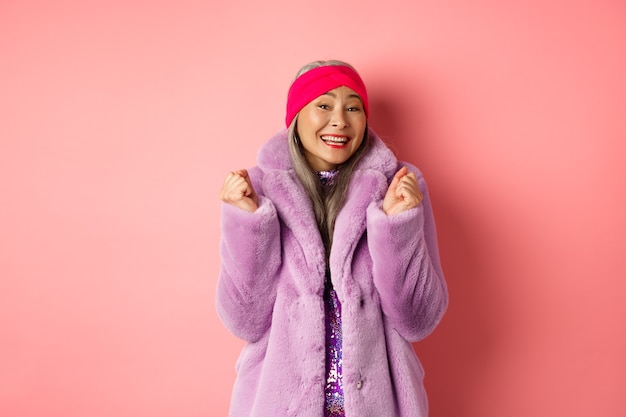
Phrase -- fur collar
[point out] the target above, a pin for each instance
(274, 155)
(368, 185)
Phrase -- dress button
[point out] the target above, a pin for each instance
(359, 385)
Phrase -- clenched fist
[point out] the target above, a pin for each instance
(238, 191)
(403, 193)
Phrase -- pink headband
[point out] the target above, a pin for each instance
(318, 81)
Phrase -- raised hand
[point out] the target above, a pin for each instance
(403, 193)
(238, 191)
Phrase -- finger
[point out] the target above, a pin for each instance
(238, 175)
(412, 176)
(234, 192)
(397, 177)
(405, 193)
(243, 173)
(234, 176)
(408, 188)
(409, 180)
(406, 184)
(400, 173)
(231, 177)
(235, 186)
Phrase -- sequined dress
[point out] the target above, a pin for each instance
(333, 402)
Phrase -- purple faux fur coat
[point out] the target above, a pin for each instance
(385, 270)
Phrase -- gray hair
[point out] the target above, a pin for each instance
(326, 206)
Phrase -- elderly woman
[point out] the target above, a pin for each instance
(330, 266)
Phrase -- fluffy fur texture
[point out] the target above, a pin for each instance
(386, 272)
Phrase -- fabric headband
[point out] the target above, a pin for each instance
(318, 81)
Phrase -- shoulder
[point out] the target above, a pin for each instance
(412, 168)
(381, 158)
(378, 157)
(274, 154)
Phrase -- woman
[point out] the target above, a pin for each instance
(330, 266)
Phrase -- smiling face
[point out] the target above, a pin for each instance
(331, 128)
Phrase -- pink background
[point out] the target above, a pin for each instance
(119, 120)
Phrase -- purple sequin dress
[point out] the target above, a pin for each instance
(333, 402)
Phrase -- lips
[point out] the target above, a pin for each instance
(335, 140)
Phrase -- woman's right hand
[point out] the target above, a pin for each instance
(238, 191)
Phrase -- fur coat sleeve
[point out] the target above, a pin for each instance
(251, 255)
(405, 266)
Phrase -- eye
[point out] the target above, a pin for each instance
(354, 108)
(323, 106)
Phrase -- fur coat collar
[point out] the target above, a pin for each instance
(368, 184)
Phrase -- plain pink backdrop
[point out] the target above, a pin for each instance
(119, 120)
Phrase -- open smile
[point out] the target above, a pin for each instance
(335, 141)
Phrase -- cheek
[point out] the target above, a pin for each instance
(360, 134)
(357, 144)
(359, 121)
(360, 127)
(308, 123)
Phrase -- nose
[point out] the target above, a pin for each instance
(339, 119)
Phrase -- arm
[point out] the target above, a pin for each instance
(251, 256)
(406, 268)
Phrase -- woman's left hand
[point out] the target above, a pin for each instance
(403, 193)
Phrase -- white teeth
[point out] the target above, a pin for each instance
(334, 139)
